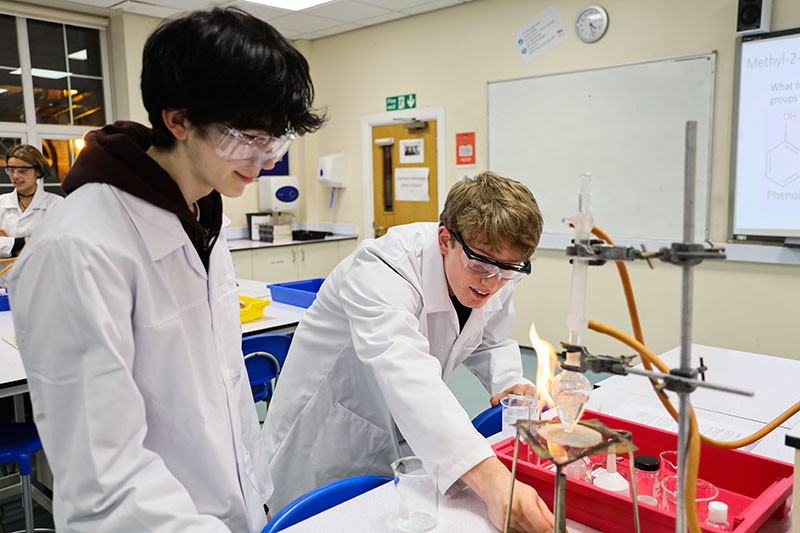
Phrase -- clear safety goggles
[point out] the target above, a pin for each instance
(18, 170)
(238, 148)
(486, 267)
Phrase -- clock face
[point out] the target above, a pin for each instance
(591, 23)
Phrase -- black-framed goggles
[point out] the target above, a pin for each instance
(486, 267)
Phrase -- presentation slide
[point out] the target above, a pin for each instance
(767, 195)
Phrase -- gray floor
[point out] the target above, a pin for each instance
(473, 396)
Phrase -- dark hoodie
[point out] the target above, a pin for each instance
(116, 154)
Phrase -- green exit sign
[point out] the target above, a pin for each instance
(404, 101)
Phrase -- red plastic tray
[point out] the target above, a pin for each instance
(754, 487)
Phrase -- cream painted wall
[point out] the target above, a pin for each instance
(446, 57)
(127, 34)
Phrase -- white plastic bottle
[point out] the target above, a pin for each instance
(718, 516)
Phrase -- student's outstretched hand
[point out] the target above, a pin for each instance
(522, 388)
(491, 480)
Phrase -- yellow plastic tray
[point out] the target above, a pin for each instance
(253, 308)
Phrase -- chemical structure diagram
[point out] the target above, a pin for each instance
(783, 161)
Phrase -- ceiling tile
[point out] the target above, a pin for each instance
(263, 12)
(129, 6)
(304, 23)
(346, 11)
(394, 5)
(188, 5)
(394, 15)
(335, 29)
(430, 6)
(94, 3)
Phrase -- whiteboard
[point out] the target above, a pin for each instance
(625, 124)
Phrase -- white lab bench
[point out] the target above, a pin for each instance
(278, 317)
(12, 373)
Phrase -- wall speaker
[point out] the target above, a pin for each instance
(752, 16)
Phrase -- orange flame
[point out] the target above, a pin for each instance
(557, 452)
(546, 364)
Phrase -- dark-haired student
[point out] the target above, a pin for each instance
(125, 302)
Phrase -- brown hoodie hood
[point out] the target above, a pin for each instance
(117, 155)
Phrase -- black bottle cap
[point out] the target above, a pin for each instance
(646, 462)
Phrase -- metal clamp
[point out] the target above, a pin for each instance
(682, 254)
(595, 363)
(677, 380)
(597, 252)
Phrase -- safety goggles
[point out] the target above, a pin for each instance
(238, 148)
(18, 170)
(486, 267)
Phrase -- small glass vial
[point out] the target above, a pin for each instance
(718, 516)
(647, 479)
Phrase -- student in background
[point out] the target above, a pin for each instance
(22, 210)
(125, 300)
(365, 379)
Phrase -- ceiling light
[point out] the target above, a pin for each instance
(80, 55)
(43, 73)
(291, 5)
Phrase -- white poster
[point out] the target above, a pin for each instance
(412, 151)
(540, 34)
(411, 184)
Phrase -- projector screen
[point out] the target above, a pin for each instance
(765, 162)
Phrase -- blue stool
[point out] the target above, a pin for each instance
(18, 442)
(322, 499)
(264, 356)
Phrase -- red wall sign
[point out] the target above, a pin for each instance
(465, 148)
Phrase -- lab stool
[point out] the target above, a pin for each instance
(18, 442)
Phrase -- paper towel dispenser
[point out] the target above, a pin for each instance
(278, 193)
(332, 170)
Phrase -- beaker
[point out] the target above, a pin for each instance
(669, 463)
(517, 407)
(417, 494)
(705, 492)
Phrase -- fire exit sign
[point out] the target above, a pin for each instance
(403, 101)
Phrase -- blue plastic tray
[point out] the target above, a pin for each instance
(300, 293)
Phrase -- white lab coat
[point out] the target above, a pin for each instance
(134, 362)
(18, 223)
(375, 349)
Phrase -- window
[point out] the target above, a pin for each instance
(53, 89)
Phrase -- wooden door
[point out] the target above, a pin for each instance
(387, 158)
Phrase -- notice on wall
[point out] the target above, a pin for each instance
(465, 149)
(540, 34)
(412, 151)
(411, 184)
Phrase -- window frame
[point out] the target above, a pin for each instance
(30, 129)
